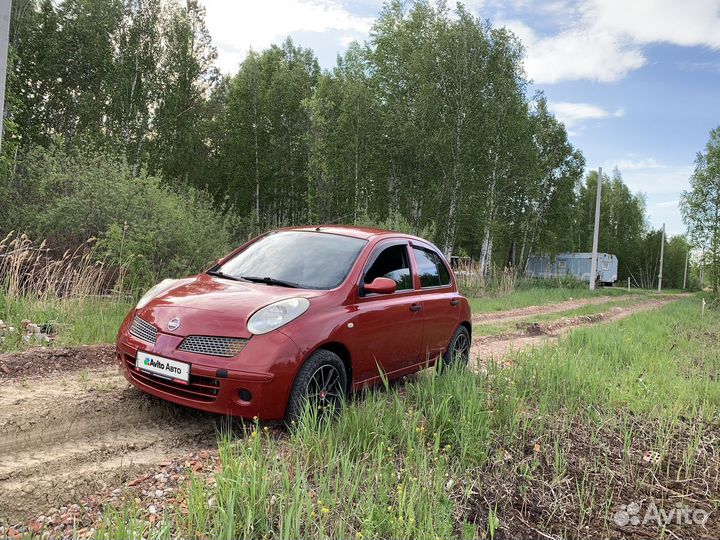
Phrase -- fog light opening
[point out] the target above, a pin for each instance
(244, 394)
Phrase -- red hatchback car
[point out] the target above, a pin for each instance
(297, 315)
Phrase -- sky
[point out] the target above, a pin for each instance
(636, 82)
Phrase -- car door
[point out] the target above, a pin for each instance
(391, 324)
(440, 300)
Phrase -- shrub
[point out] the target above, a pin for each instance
(142, 225)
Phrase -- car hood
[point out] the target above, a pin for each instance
(213, 306)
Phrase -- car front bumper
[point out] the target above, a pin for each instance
(256, 383)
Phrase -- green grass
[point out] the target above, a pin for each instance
(539, 296)
(500, 327)
(78, 321)
(455, 454)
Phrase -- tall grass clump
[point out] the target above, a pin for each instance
(32, 270)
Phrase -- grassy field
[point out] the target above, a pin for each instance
(76, 320)
(539, 296)
(556, 443)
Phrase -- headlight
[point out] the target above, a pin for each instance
(161, 287)
(276, 315)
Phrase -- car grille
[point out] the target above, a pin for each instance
(142, 329)
(200, 388)
(213, 346)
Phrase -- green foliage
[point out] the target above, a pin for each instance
(676, 249)
(700, 206)
(142, 225)
(428, 127)
(622, 226)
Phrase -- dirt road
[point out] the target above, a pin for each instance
(71, 426)
(62, 438)
(567, 305)
(501, 347)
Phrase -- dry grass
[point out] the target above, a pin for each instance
(30, 270)
(474, 283)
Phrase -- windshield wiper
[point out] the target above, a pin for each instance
(218, 273)
(271, 281)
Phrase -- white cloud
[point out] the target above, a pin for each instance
(630, 164)
(240, 25)
(667, 204)
(679, 22)
(668, 180)
(579, 53)
(574, 114)
(603, 40)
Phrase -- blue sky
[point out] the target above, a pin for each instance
(637, 82)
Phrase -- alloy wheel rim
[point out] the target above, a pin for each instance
(461, 348)
(324, 390)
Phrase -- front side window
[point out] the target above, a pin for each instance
(392, 263)
(305, 259)
(431, 269)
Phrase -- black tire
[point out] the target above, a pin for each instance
(458, 351)
(322, 366)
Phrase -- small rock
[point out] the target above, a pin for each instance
(159, 493)
(152, 509)
(211, 502)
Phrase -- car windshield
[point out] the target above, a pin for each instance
(303, 259)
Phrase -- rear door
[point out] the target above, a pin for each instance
(440, 300)
(391, 324)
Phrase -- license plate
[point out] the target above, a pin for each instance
(163, 367)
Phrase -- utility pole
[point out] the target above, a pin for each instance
(687, 258)
(662, 252)
(596, 234)
(4, 39)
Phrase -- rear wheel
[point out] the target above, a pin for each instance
(319, 386)
(458, 351)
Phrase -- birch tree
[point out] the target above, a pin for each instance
(700, 205)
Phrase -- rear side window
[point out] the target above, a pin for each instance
(431, 269)
(392, 263)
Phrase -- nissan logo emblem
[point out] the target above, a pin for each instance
(174, 324)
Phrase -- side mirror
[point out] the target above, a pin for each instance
(380, 285)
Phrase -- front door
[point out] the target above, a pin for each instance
(391, 324)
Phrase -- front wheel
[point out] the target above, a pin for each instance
(319, 386)
(458, 350)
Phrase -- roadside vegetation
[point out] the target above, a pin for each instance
(536, 293)
(553, 444)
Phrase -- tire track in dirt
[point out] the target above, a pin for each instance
(567, 305)
(499, 347)
(67, 437)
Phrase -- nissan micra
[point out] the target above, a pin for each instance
(296, 317)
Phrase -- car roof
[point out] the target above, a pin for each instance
(366, 233)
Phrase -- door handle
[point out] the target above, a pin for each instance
(415, 307)
(454, 302)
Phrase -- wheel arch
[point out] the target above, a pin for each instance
(343, 353)
(467, 326)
